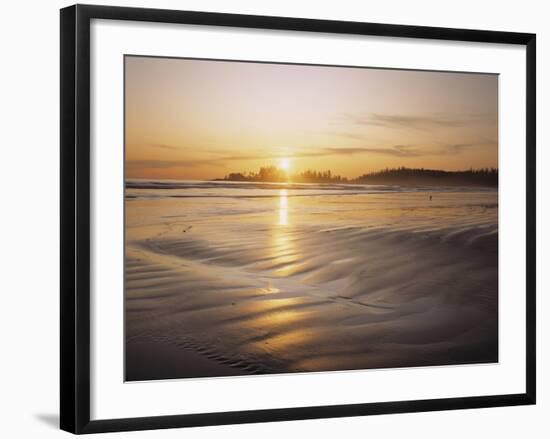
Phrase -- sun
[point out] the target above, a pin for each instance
(284, 164)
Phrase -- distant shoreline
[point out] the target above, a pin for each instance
(384, 183)
(407, 177)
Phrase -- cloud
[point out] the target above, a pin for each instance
(420, 122)
(163, 164)
(404, 151)
(396, 151)
(457, 148)
(353, 136)
(163, 146)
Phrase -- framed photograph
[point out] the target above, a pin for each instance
(268, 218)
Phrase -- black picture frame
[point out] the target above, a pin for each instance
(75, 217)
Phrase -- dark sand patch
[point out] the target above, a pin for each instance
(167, 361)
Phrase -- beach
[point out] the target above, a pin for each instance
(236, 278)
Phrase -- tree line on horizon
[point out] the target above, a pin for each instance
(401, 176)
(419, 176)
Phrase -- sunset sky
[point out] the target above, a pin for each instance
(193, 119)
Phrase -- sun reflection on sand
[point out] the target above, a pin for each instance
(280, 320)
(282, 248)
(282, 245)
(283, 207)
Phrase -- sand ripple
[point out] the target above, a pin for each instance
(361, 287)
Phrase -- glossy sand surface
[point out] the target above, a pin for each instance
(231, 280)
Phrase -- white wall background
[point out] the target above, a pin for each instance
(29, 206)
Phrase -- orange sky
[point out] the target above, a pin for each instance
(194, 119)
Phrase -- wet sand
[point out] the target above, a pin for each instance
(219, 286)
